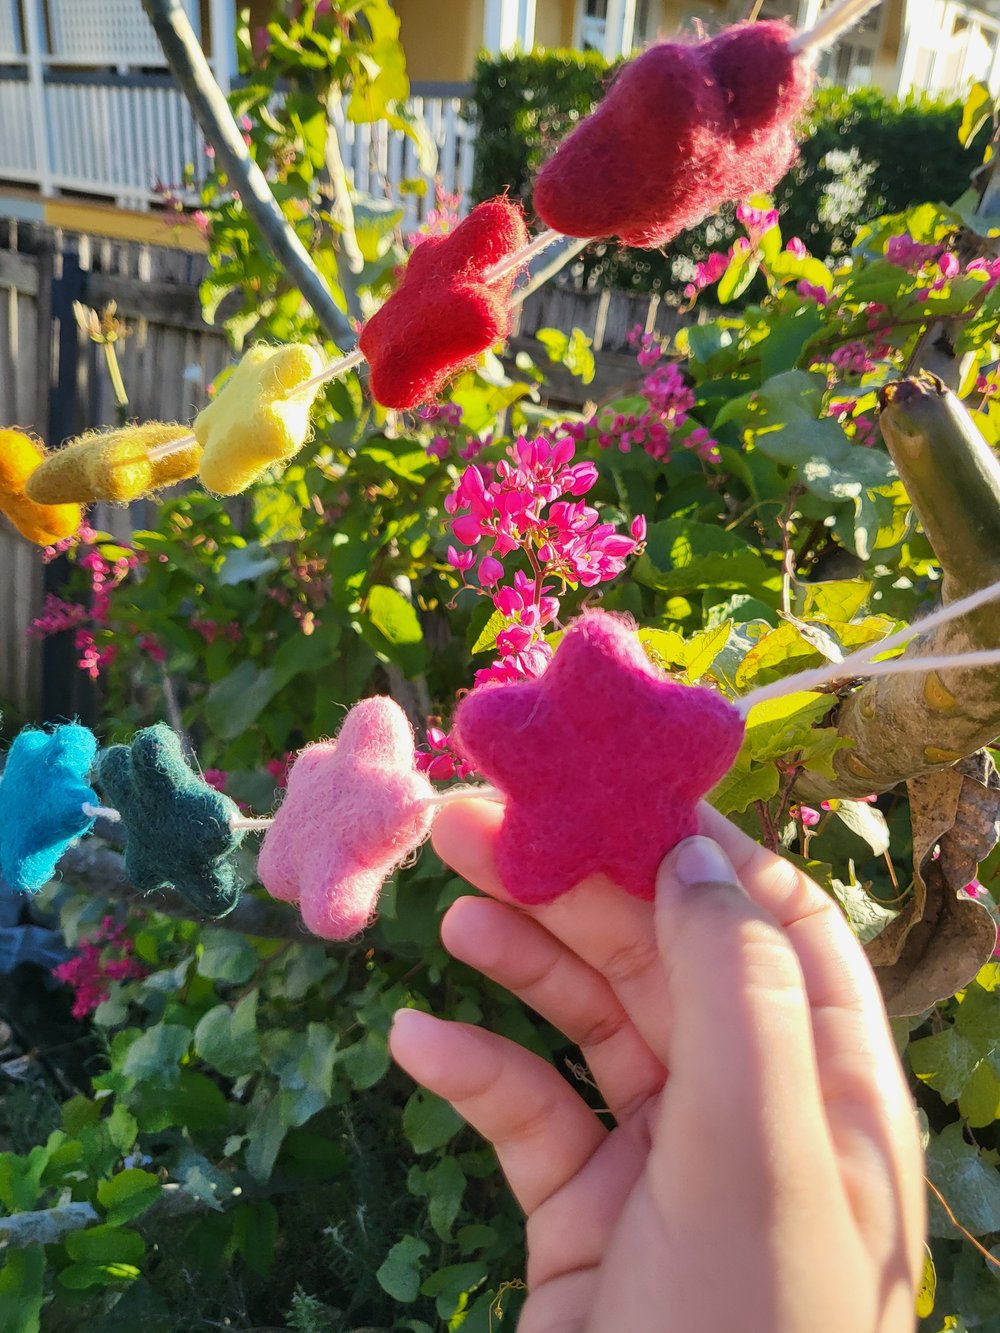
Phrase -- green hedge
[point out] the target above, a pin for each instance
(863, 155)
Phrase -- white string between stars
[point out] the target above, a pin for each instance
(831, 25)
(862, 663)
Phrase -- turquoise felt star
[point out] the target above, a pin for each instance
(177, 827)
(42, 794)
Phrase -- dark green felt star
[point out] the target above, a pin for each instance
(177, 827)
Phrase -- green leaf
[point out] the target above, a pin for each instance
(868, 917)
(743, 784)
(971, 1187)
(77, 1277)
(226, 956)
(302, 653)
(122, 1128)
(105, 1244)
(255, 1232)
(928, 1287)
(22, 1289)
(445, 1187)
(975, 113)
(393, 629)
(780, 727)
(429, 1122)
(785, 422)
(573, 350)
(243, 564)
(785, 344)
(399, 1274)
(127, 1194)
(684, 556)
(20, 1178)
(155, 1055)
(866, 821)
(267, 1133)
(367, 1061)
(738, 276)
(236, 701)
(226, 1038)
(487, 638)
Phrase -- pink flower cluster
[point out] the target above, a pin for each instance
(279, 769)
(59, 615)
(440, 761)
(441, 219)
(531, 504)
(105, 958)
(448, 417)
(210, 630)
(905, 252)
(665, 424)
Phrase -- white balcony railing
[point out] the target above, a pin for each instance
(125, 135)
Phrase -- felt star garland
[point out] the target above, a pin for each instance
(683, 129)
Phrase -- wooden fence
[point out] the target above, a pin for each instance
(53, 382)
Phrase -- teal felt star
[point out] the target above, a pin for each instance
(42, 794)
(177, 827)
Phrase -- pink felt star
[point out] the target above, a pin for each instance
(602, 760)
(355, 808)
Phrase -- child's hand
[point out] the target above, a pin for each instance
(765, 1174)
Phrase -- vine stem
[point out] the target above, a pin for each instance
(990, 1258)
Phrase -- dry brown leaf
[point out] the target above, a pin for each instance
(940, 940)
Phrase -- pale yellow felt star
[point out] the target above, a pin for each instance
(258, 419)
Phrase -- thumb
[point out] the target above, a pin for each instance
(741, 1043)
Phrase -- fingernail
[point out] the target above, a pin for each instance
(702, 861)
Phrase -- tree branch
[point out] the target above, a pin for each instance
(90, 865)
(191, 70)
(901, 726)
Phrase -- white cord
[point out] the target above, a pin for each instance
(860, 663)
(831, 25)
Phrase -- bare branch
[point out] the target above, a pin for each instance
(191, 70)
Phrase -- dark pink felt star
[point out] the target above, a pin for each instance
(602, 760)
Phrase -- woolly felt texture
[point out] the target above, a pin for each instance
(42, 792)
(40, 523)
(682, 130)
(257, 420)
(355, 808)
(176, 826)
(113, 466)
(601, 732)
(442, 316)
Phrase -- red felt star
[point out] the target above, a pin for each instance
(443, 316)
(603, 761)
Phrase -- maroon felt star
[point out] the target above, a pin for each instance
(443, 316)
(602, 760)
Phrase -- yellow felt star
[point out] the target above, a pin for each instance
(43, 524)
(114, 465)
(258, 419)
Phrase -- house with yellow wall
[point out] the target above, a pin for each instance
(937, 45)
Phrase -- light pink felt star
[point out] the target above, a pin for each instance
(355, 808)
(603, 761)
